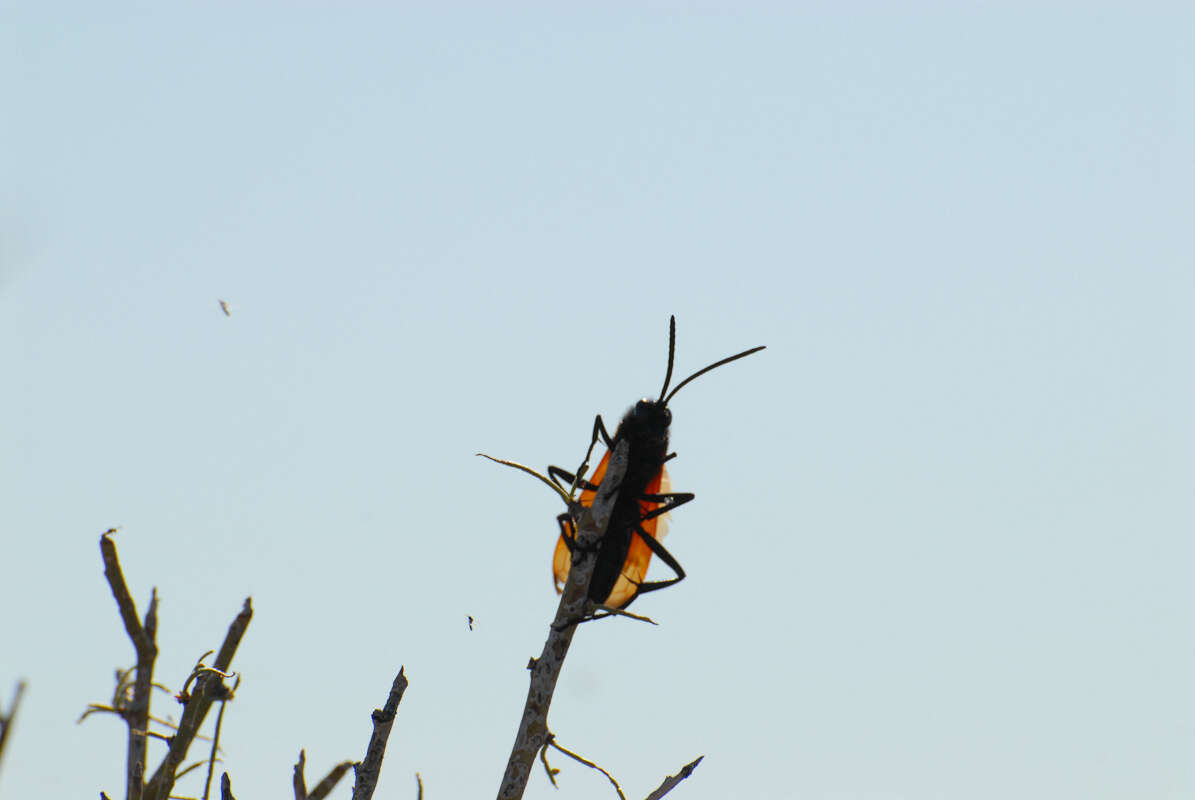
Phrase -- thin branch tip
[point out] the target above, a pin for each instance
(672, 781)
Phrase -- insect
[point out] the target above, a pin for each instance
(637, 521)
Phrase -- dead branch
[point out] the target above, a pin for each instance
(579, 758)
(672, 781)
(574, 604)
(211, 764)
(209, 688)
(6, 719)
(299, 781)
(368, 771)
(134, 711)
(226, 788)
(325, 786)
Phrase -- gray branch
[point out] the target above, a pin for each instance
(545, 671)
(209, 687)
(6, 719)
(136, 711)
(368, 771)
(672, 781)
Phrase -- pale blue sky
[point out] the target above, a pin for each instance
(942, 541)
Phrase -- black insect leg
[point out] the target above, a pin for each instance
(568, 530)
(557, 475)
(669, 502)
(658, 548)
(568, 525)
(599, 429)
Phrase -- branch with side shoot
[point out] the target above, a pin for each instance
(209, 687)
(136, 711)
(574, 606)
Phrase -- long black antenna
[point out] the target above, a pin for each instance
(700, 372)
(671, 353)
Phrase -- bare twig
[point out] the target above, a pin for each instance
(368, 771)
(211, 763)
(418, 787)
(574, 603)
(194, 765)
(567, 498)
(209, 687)
(548, 768)
(6, 719)
(122, 696)
(672, 781)
(168, 723)
(551, 772)
(135, 711)
(226, 788)
(97, 708)
(610, 611)
(199, 669)
(299, 781)
(325, 786)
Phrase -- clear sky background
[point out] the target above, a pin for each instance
(942, 542)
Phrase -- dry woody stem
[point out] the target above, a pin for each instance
(672, 781)
(370, 769)
(325, 786)
(574, 603)
(6, 718)
(143, 637)
(208, 685)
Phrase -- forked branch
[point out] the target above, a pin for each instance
(134, 711)
(325, 786)
(208, 688)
